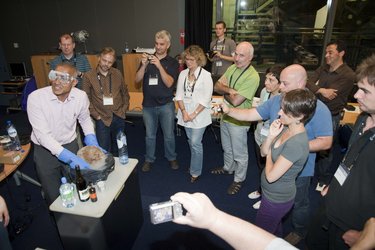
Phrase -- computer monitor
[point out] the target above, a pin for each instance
(18, 70)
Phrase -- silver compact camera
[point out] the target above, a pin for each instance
(165, 211)
(218, 109)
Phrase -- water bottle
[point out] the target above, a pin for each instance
(126, 48)
(122, 147)
(12, 132)
(67, 193)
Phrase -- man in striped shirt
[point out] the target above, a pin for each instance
(79, 61)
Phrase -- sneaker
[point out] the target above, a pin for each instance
(146, 166)
(174, 164)
(293, 238)
(254, 195)
(257, 205)
(320, 187)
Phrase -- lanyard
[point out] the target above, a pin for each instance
(192, 88)
(222, 47)
(352, 155)
(110, 83)
(230, 79)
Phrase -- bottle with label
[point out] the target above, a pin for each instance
(67, 193)
(122, 147)
(81, 185)
(92, 192)
(12, 132)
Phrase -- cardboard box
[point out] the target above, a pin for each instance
(9, 157)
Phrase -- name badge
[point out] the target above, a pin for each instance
(107, 100)
(219, 63)
(187, 99)
(153, 80)
(341, 173)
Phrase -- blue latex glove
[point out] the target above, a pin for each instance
(90, 140)
(72, 160)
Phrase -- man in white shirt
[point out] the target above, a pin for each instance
(53, 112)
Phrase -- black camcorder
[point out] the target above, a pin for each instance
(211, 54)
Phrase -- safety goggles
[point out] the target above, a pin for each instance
(63, 78)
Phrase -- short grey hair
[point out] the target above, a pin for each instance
(163, 34)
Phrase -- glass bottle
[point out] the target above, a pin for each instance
(81, 185)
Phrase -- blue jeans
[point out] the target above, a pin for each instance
(301, 210)
(234, 143)
(151, 117)
(107, 135)
(195, 136)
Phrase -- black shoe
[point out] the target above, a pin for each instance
(174, 164)
(146, 166)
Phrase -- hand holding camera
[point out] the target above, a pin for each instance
(211, 54)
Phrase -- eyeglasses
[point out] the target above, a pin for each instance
(63, 78)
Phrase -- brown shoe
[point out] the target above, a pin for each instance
(234, 188)
(220, 171)
(293, 238)
(146, 166)
(174, 164)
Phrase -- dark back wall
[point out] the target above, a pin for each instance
(37, 24)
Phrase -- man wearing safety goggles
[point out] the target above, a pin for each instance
(53, 112)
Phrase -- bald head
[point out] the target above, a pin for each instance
(243, 54)
(293, 77)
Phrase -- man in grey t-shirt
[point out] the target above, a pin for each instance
(222, 49)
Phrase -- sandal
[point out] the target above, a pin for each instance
(234, 188)
(220, 171)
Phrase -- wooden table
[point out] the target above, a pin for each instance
(350, 117)
(10, 168)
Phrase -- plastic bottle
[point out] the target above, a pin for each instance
(126, 47)
(67, 193)
(12, 132)
(82, 188)
(122, 147)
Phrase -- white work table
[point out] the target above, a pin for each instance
(113, 222)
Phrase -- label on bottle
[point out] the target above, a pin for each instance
(93, 196)
(12, 132)
(84, 195)
(122, 142)
(67, 195)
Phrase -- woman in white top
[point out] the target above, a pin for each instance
(193, 95)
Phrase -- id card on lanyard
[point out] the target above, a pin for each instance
(351, 157)
(221, 47)
(342, 173)
(107, 100)
(153, 80)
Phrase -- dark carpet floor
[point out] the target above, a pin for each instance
(31, 225)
